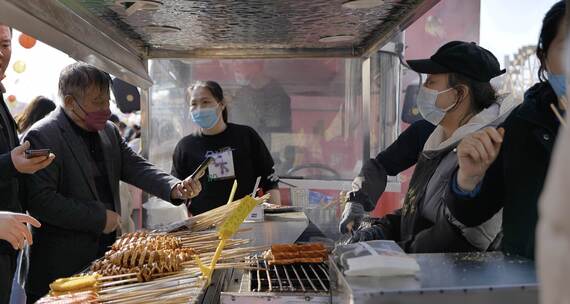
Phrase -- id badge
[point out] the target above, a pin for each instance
(223, 165)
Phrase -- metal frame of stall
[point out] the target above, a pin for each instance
(68, 27)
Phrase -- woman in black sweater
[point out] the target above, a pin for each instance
(238, 151)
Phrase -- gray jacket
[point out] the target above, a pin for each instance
(64, 199)
(424, 223)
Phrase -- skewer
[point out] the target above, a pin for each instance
(190, 277)
(128, 297)
(563, 103)
(181, 275)
(233, 192)
(118, 276)
(121, 282)
(557, 114)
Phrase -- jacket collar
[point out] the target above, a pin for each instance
(77, 147)
(536, 107)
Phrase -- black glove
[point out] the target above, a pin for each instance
(367, 234)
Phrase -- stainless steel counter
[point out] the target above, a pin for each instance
(446, 278)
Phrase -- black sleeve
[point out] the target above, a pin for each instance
(138, 172)
(7, 169)
(399, 156)
(390, 225)
(404, 152)
(263, 163)
(473, 211)
(441, 237)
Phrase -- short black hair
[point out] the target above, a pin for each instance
(77, 77)
(549, 30)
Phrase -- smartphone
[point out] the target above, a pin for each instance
(37, 153)
(203, 166)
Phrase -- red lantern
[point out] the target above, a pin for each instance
(11, 98)
(26, 41)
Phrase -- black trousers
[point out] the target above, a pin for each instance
(7, 269)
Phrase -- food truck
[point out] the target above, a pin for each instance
(337, 92)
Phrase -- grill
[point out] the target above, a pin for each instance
(289, 278)
(294, 283)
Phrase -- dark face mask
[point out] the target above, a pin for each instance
(95, 121)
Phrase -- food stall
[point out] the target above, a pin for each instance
(343, 111)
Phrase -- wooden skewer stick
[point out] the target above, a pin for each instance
(120, 282)
(563, 103)
(118, 276)
(557, 114)
(127, 297)
(183, 275)
(177, 300)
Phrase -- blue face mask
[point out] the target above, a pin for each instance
(558, 83)
(206, 118)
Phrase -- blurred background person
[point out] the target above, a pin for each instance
(260, 101)
(119, 123)
(37, 109)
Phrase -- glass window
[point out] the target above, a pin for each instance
(307, 111)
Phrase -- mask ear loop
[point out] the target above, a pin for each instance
(80, 107)
(451, 106)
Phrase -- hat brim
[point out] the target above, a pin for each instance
(427, 66)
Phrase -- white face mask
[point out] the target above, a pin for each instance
(426, 104)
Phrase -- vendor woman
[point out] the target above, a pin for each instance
(238, 151)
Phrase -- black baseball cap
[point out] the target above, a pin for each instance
(466, 58)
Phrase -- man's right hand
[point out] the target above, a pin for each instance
(29, 165)
(14, 230)
(352, 215)
(475, 154)
(113, 222)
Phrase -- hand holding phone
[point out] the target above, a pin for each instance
(191, 187)
(30, 161)
(37, 153)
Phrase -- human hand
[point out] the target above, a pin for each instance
(14, 230)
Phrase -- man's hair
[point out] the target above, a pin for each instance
(76, 78)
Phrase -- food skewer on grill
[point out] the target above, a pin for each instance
(283, 254)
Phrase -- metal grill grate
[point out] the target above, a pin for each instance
(289, 278)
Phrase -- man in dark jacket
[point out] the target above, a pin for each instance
(77, 197)
(13, 163)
